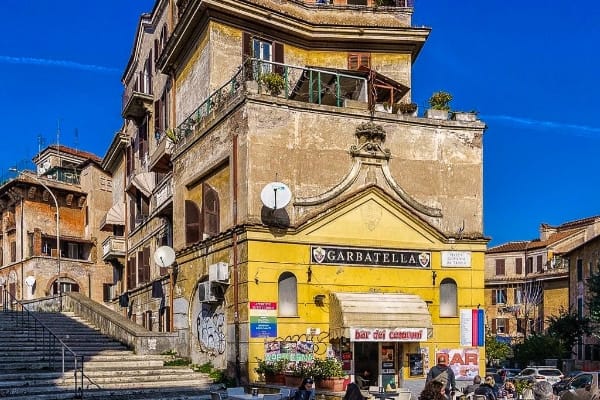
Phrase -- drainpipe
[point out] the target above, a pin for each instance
(236, 315)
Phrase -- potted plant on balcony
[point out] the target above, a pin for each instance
(272, 371)
(405, 109)
(273, 82)
(439, 104)
(329, 375)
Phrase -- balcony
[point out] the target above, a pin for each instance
(162, 196)
(160, 161)
(360, 89)
(138, 99)
(113, 247)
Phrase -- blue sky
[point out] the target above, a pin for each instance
(530, 69)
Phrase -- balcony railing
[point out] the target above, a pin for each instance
(112, 247)
(305, 84)
(162, 194)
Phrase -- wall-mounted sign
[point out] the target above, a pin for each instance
(388, 335)
(263, 319)
(456, 258)
(472, 327)
(290, 351)
(366, 256)
(464, 362)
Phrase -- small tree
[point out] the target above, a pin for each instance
(536, 348)
(568, 327)
(593, 299)
(495, 350)
(440, 101)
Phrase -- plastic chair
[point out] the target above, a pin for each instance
(216, 396)
(232, 391)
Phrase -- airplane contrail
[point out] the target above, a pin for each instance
(57, 63)
(543, 124)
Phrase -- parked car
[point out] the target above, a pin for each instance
(579, 381)
(540, 373)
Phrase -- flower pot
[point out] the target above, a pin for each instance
(277, 379)
(331, 384)
(436, 114)
(293, 381)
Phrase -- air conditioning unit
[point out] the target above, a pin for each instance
(219, 272)
(210, 292)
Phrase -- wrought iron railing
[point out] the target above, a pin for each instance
(305, 84)
(45, 340)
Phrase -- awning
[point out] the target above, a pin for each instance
(383, 317)
(114, 216)
(144, 182)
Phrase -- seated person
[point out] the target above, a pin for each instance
(363, 380)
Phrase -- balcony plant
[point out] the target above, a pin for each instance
(273, 82)
(405, 108)
(439, 105)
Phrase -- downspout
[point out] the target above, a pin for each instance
(236, 315)
(22, 269)
(172, 275)
(125, 278)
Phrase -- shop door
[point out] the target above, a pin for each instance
(366, 362)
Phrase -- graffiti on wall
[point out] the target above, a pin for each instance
(210, 325)
(320, 341)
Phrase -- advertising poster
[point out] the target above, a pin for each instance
(290, 351)
(464, 362)
(415, 364)
(263, 319)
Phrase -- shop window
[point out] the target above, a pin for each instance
(288, 295)
(448, 298)
(192, 222)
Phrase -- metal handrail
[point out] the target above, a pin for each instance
(49, 340)
(254, 69)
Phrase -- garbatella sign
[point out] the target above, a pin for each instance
(368, 256)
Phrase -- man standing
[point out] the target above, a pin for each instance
(441, 368)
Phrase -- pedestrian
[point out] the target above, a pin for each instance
(305, 390)
(487, 388)
(433, 390)
(442, 368)
(472, 387)
(353, 392)
(542, 390)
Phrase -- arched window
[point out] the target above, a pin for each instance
(192, 222)
(288, 295)
(448, 298)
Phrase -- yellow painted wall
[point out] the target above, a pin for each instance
(269, 257)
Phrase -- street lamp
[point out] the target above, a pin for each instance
(38, 180)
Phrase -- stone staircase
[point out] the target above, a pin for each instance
(31, 369)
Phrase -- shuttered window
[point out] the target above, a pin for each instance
(500, 267)
(192, 222)
(357, 60)
(210, 210)
(131, 273)
(519, 266)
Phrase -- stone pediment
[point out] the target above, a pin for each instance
(370, 218)
(370, 166)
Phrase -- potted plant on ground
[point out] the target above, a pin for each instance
(273, 82)
(296, 371)
(272, 371)
(329, 375)
(439, 104)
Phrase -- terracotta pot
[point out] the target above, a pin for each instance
(278, 379)
(331, 384)
(293, 381)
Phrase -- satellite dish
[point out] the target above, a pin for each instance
(164, 256)
(30, 281)
(275, 195)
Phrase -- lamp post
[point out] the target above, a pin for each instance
(38, 180)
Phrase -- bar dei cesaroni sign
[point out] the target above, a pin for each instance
(366, 256)
(388, 335)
